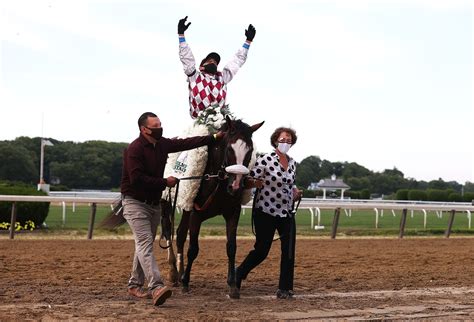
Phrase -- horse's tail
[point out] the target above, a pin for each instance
(115, 217)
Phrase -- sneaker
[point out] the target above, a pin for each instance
(138, 292)
(160, 294)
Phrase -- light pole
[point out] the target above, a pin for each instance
(42, 185)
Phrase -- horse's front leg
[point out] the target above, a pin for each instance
(181, 234)
(167, 233)
(232, 222)
(193, 250)
(173, 272)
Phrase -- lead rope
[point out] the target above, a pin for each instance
(253, 210)
(171, 218)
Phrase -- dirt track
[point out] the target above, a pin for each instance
(335, 279)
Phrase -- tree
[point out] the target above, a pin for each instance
(92, 164)
(16, 163)
(353, 169)
(358, 184)
(393, 172)
(98, 165)
(469, 186)
(438, 184)
(327, 169)
(386, 184)
(338, 168)
(307, 171)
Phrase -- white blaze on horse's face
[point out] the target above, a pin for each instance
(240, 150)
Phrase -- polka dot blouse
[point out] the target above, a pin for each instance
(276, 196)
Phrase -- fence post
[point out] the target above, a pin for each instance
(403, 221)
(376, 218)
(335, 222)
(91, 220)
(424, 218)
(13, 221)
(468, 219)
(450, 224)
(64, 213)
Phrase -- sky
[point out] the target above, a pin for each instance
(382, 83)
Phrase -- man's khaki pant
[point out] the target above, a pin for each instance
(143, 220)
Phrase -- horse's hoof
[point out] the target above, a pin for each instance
(234, 293)
(185, 289)
(173, 278)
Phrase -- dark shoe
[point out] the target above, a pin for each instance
(139, 293)
(238, 278)
(282, 294)
(160, 295)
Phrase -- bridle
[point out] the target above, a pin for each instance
(221, 175)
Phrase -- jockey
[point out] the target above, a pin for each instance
(208, 86)
(207, 95)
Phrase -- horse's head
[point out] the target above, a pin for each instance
(238, 148)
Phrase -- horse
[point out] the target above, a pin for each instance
(220, 193)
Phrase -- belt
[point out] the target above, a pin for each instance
(148, 202)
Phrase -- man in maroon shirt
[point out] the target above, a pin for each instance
(142, 184)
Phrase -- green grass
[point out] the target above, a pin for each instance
(360, 223)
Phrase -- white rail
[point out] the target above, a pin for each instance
(313, 205)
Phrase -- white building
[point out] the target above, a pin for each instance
(333, 184)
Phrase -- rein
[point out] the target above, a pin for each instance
(221, 175)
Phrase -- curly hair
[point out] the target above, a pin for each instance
(280, 130)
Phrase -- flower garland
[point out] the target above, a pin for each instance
(213, 117)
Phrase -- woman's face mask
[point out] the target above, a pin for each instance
(284, 147)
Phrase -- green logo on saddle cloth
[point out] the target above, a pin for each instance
(180, 167)
(181, 164)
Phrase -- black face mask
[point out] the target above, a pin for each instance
(210, 68)
(156, 133)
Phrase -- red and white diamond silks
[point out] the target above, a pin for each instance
(205, 91)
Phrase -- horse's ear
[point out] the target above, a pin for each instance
(228, 120)
(255, 127)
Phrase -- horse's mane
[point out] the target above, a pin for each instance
(238, 126)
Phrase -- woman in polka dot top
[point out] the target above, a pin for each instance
(274, 177)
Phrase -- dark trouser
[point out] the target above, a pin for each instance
(265, 226)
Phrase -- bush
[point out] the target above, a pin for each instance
(59, 187)
(311, 193)
(402, 194)
(450, 191)
(352, 194)
(455, 197)
(418, 195)
(437, 195)
(365, 194)
(25, 211)
(468, 197)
